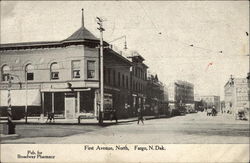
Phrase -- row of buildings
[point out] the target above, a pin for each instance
(208, 101)
(236, 97)
(63, 77)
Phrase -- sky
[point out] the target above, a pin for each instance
(179, 40)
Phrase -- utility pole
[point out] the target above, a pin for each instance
(101, 29)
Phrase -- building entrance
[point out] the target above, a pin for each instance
(54, 103)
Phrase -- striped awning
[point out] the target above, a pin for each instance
(18, 97)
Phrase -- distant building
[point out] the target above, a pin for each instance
(180, 93)
(156, 104)
(198, 103)
(165, 93)
(197, 97)
(138, 82)
(236, 92)
(210, 101)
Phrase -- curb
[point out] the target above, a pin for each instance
(11, 136)
(86, 123)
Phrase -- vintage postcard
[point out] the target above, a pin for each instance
(124, 81)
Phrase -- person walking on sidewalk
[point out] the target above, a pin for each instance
(114, 116)
(51, 116)
(140, 116)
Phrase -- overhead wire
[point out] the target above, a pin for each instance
(174, 39)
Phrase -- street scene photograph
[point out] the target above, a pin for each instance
(124, 72)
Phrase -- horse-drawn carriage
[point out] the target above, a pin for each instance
(240, 114)
(211, 111)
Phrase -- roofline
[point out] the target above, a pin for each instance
(137, 55)
(120, 56)
(45, 43)
(145, 65)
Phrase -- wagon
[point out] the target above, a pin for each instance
(209, 111)
(240, 115)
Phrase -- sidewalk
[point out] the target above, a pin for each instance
(93, 121)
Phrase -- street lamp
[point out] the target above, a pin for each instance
(125, 41)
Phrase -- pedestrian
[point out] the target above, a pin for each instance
(11, 125)
(140, 116)
(214, 111)
(114, 116)
(51, 116)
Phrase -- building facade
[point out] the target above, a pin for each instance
(63, 77)
(236, 93)
(180, 94)
(138, 82)
(156, 104)
(117, 81)
(60, 76)
(210, 101)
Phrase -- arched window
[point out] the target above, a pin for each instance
(5, 72)
(29, 72)
(54, 71)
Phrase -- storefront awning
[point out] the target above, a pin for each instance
(18, 97)
(66, 90)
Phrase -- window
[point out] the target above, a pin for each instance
(127, 82)
(114, 81)
(105, 75)
(123, 81)
(131, 84)
(29, 72)
(54, 71)
(90, 69)
(119, 79)
(76, 69)
(109, 76)
(5, 72)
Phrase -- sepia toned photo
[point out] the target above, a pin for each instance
(140, 78)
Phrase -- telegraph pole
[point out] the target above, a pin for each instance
(101, 29)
